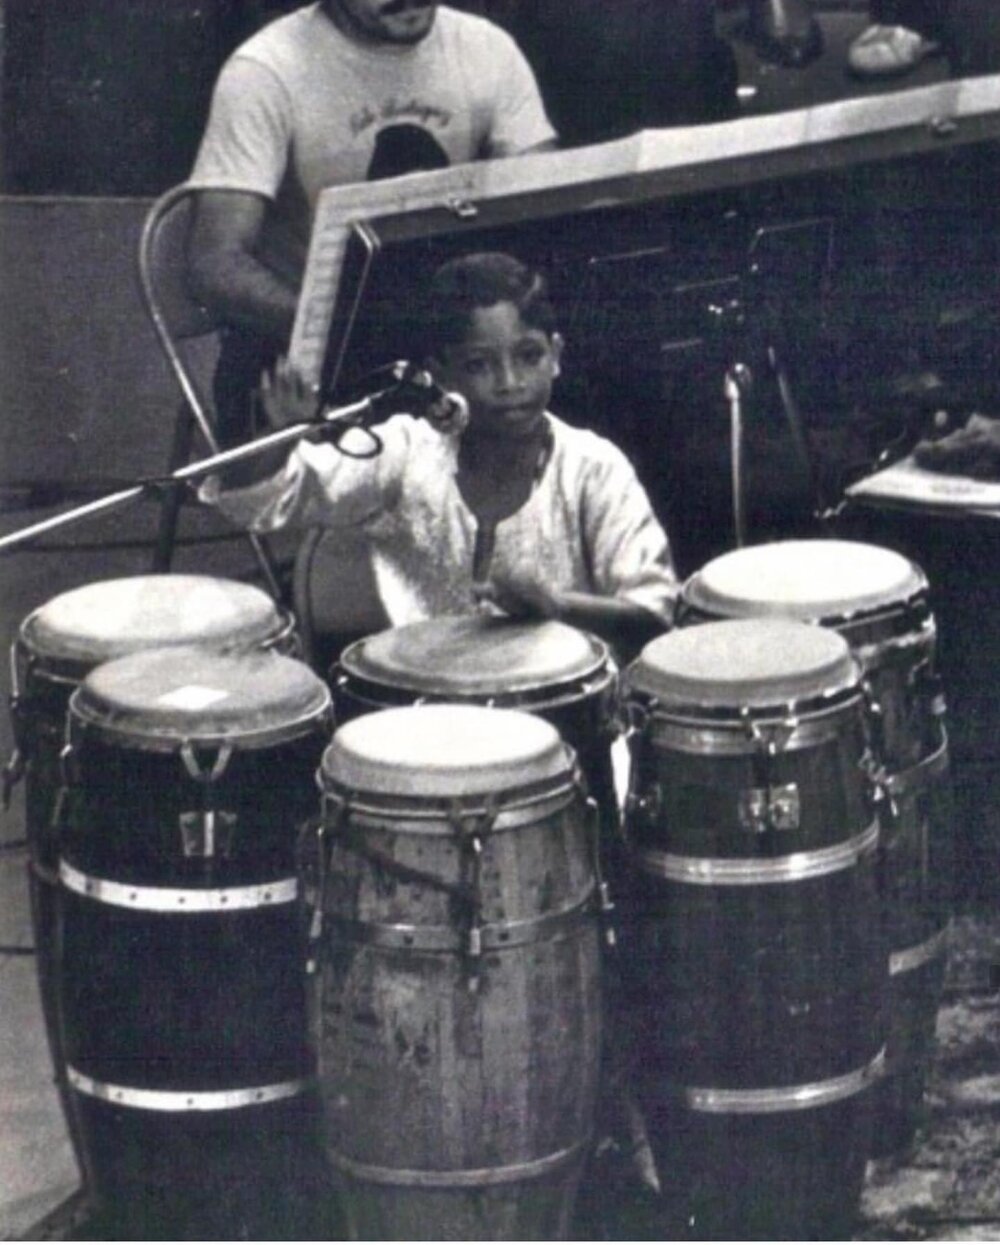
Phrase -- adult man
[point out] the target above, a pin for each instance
(338, 91)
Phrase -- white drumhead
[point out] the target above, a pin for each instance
(443, 751)
(194, 694)
(475, 656)
(115, 617)
(744, 662)
(813, 580)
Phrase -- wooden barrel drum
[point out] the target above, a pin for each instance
(181, 947)
(753, 946)
(458, 1000)
(878, 601)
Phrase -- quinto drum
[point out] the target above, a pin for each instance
(878, 601)
(180, 972)
(458, 997)
(753, 952)
(58, 644)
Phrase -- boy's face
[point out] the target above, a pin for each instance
(504, 369)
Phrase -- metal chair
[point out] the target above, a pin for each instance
(177, 317)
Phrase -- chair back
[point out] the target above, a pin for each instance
(163, 267)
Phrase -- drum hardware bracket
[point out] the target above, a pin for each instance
(762, 809)
(774, 738)
(605, 903)
(472, 832)
(880, 780)
(207, 833)
(13, 772)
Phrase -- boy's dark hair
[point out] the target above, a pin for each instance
(484, 279)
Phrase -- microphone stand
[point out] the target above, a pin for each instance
(356, 415)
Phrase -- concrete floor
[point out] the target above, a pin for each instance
(947, 1188)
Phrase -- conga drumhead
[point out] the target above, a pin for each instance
(814, 580)
(441, 751)
(160, 698)
(115, 617)
(748, 662)
(474, 657)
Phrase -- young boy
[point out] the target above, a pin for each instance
(519, 513)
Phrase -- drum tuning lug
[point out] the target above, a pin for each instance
(607, 903)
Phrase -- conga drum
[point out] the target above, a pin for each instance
(564, 675)
(753, 953)
(458, 1007)
(878, 601)
(180, 967)
(58, 644)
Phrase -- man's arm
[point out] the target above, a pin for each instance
(224, 272)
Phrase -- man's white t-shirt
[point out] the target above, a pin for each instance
(300, 106)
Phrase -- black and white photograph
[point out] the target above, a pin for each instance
(500, 601)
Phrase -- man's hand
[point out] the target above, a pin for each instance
(287, 399)
(970, 451)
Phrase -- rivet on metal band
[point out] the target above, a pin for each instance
(911, 958)
(473, 1178)
(743, 871)
(173, 899)
(784, 1098)
(183, 1100)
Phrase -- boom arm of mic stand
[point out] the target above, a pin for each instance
(340, 419)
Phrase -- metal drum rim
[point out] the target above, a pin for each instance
(239, 739)
(600, 664)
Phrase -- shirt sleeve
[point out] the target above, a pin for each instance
(628, 549)
(519, 119)
(247, 138)
(321, 487)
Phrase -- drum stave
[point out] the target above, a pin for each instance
(458, 998)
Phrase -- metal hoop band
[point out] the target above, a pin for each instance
(173, 899)
(182, 1100)
(797, 867)
(784, 1098)
(473, 1178)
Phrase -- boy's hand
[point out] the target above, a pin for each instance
(518, 598)
(287, 398)
(970, 451)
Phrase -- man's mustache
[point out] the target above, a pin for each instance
(395, 7)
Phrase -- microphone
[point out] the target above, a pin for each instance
(446, 410)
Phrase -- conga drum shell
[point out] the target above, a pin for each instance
(459, 1046)
(181, 948)
(878, 601)
(753, 952)
(57, 645)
